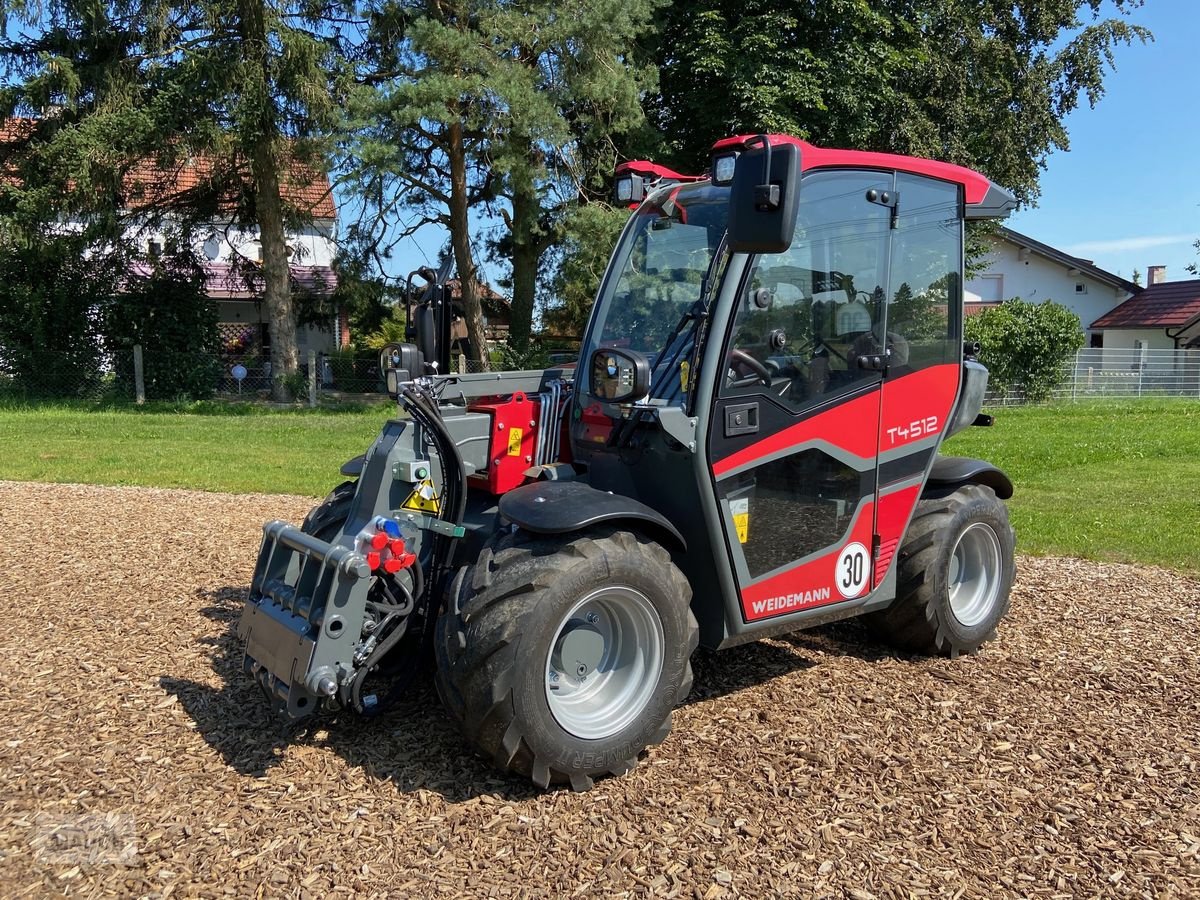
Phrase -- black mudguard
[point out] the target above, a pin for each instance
(559, 507)
(949, 473)
(354, 467)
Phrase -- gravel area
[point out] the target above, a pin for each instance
(1064, 760)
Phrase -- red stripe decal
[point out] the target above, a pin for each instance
(849, 426)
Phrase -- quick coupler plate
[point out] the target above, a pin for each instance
(303, 618)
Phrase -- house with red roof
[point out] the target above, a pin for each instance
(1165, 315)
(230, 253)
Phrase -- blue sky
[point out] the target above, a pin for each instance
(1127, 193)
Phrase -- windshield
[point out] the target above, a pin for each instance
(657, 273)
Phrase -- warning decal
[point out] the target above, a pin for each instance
(740, 509)
(424, 498)
(514, 441)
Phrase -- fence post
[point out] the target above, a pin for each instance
(139, 377)
(312, 377)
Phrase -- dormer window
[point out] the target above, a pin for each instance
(154, 249)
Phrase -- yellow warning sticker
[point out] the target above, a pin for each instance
(514, 441)
(424, 498)
(684, 371)
(740, 509)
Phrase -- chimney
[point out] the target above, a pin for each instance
(1155, 275)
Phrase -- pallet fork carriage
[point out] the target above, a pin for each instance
(749, 445)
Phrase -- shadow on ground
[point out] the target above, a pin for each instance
(414, 743)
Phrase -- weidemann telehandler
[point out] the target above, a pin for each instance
(748, 447)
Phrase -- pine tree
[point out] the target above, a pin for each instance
(487, 105)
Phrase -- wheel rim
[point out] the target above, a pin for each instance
(604, 662)
(974, 580)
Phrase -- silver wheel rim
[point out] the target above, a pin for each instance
(604, 662)
(974, 580)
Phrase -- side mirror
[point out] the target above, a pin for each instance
(399, 362)
(762, 200)
(618, 376)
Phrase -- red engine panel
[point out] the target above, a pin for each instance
(513, 443)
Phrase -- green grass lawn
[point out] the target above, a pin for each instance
(1115, 481)
(1111, 481)
(287, 452)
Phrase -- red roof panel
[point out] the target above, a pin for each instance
(1167, 304)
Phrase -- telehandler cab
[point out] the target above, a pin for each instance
(749, 446)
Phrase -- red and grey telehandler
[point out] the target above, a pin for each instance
(748, 446)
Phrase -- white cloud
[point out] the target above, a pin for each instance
(1119, 245)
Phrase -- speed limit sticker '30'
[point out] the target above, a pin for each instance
(850, 576)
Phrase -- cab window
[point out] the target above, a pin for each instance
(808, 313)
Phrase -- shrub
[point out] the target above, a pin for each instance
(1025, 345)
(175, 322)
(51, 294)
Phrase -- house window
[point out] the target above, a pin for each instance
(1097, 339)
(1080, 287)
(154, 249)
(985, 289)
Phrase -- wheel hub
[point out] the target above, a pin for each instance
(604, 662)
(580, 650)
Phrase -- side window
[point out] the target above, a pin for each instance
(807, 312)
(926, 284)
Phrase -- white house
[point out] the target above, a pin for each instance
(229, 253)
(1019, 266)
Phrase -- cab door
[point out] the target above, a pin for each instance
(794, 438)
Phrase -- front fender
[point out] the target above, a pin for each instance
(559, 507)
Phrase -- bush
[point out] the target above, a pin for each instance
(51, 295)
(1025, 345)
(170, 315)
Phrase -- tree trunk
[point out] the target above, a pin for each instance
(460, 241)
(268, 201)
(526, 251)
(277, 290)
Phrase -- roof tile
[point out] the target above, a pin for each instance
(1164, 305)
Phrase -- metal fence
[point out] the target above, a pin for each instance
(1104, 373)
(352, 376)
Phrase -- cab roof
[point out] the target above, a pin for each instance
(984, 198)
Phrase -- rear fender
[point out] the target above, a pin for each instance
(561, 507)
(949, 473)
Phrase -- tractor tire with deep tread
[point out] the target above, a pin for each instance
(333, 510)
(506, 614)
(950, 539)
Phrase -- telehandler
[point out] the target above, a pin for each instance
(748, 446)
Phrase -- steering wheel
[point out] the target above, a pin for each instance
(743, 360)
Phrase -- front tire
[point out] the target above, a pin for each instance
(955, 571)
(562, 657)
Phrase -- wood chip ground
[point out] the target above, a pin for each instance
(1063, 761)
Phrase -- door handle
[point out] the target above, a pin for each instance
(876, 362)
(741, 418)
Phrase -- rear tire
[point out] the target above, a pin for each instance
(955, 572)
(562, 657)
